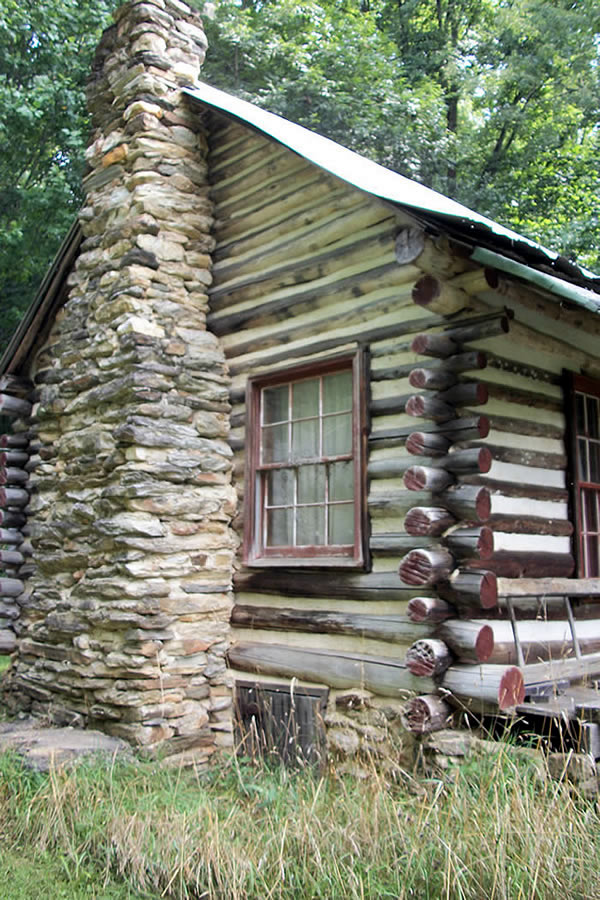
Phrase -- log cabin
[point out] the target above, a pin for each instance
(294, 445)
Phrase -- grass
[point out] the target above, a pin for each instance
(494, 828)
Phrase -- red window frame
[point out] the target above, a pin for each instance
(255, 551)
(585, 472)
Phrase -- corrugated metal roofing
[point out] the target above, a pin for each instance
(392, 187)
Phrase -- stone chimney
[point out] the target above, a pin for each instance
(125, 618)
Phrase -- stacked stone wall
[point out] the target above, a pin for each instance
(125, 619)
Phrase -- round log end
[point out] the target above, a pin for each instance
(428, 520)
(418, 378)
(410, 243)
(483, 505)
(419, 344)
(485, 543)
(415, 443)
(483, 426)
(415, 405)
(485, 460)
(512, 688)
(415, 478)
(488, 592)
(426, 290)
(492, 277)
(480, 360)
(484, 644)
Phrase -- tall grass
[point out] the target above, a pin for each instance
(495, 829)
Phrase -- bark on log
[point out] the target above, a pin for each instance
(381, 675)
(465, 543)
(12, 519)
(499, 685)
(391, 544)
(471, 590)
(469, 640)
(510, 564)
(426, 478)
(426, 714)
(471, 461)
(471, 503)
(14, 441)
(12, 475)
(13, 497)
(427, 658)
(481, 330)
(470, 393)
(426, 567)
(438, 296)
(11, 587)
(429, 407)
(431, 379)
(423, 443)
(395, 629)
(430, 521)
(429, 610)
(14, 406)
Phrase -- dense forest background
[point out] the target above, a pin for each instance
(493, 102)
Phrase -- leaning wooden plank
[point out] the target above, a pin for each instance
(372, 586)
(381, 675)
(502, 686)
(427, 713)
(396, 629)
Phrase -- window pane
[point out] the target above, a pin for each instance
(594, 452)
(592, 568)
(337, 392)
(305, 439)
(341, 523)
(580, 413)
(310, 525)
(280, 487)
(583, 464)
(275, 444)
(275, 404)
(305, 399)
(592, 417)
(341, 481)
(337, 435)
(279, 527)
(311, 484)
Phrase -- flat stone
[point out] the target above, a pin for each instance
(43, 748)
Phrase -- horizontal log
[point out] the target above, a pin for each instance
(541, 674)
(429, 407)
(465, 429)
(429, 609)
(10, 496)
(12, 519)
(531, 525)
(423, 443)
(427, 658)
(426, 714)
(389, 405)
(10, 536)
(540, 587)
(465, 543)
(490, 327)
(426, 567)
(431, 379)
(426, 478)
(395, 629)
(469, 393)
(13, 457)
(14, 441)
(19, 385)
(8, 641)
(464, 362)
(381, 675)
(439, 296)
(502, 686)
(11, 587)
(388, 468)
(12, 475)
(391, 544)
(543, 639)
(471, 503)
(14, 406)
(471, 590)
(471, 461)
(11, 558)
(472, 641)
(371, 586)
(438, 344)
(511, 564)
(429, 521)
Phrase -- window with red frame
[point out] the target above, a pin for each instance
(586, 427)
(305, 482)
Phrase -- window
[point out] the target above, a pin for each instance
(305, 483)
(586, 472)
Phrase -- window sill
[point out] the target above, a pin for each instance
(314, 562)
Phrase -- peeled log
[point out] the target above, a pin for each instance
(438, 296)
(502, 686)
(543, 639)
(427, 713)
(486, 328)
(427, 443)
(13, 497)
(471, 542)
(11, 587)
(471, 590)
(12, 475)
(431, 379)
(437, 345)
(471, 428)
(428, 521)
(472, 641)
(429, 609)
(11, 519)
(16, 441)
(512, 564)
(473, 461)
(424, 567)
(424, 406)
(13, 458)
(427, 658)
(465, 362)
(14, 406)
(470, 503)
(426, 478)
(468, 393)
